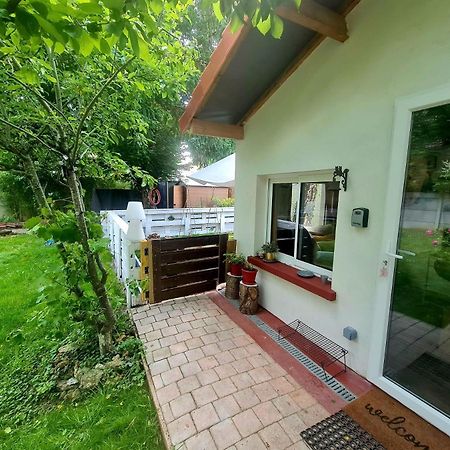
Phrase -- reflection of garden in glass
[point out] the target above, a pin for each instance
(420, 292)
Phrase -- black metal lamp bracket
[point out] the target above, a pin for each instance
(342, 175)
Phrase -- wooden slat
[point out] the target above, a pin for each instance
(155, 270)
(186, 255)
(316, 17)
(218, 63)
(222, 250)
(189, 266)
(193, 241)
(188, 278)
(205, 128)
(189, 289)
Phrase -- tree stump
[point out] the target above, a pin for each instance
(248, 295)
(232, 286)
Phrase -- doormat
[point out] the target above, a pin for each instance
(395, 426)
(339, 432)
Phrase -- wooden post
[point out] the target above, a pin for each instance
(223, 240)
(155, 270)
(248, 295)
(232, 287)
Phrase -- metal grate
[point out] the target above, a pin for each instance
(339, 432)
(316, 345)
(337, 387)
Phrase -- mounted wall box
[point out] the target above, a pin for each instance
(350, 333)
(360, 217)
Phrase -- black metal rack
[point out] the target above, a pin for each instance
(315, 345)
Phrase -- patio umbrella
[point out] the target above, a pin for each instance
(221, 173)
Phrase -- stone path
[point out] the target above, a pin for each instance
(215, 387)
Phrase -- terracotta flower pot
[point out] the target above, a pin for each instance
(236, 269)
(249, 276)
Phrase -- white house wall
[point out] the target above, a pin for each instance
(338, 109)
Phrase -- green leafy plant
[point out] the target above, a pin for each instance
(269, 247)
(223, 202)
(235, 258)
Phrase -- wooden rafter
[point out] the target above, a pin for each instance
(215, 129)
(218, 63)
(316, 17)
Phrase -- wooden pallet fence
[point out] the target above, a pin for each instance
(184, 266)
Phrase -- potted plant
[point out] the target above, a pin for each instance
(235, 262)
(249, 274)
(270, 251)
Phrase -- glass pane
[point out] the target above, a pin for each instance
(284, 214)
(318, 213)
(418, 347)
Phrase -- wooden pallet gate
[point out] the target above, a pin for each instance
(177, 267)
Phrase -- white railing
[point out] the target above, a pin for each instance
(125, 245)
(185, 221)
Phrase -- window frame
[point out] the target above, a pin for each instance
(321, 176)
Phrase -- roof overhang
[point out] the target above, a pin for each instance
(246, 68)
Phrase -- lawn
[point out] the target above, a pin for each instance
(117, 415)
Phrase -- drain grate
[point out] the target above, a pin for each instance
(337, 387)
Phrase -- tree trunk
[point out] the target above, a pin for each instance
(35, 183)
(98, 282)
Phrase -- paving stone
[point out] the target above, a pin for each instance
(188, 384)
(275, 437)
(159, 367)
(167, 341)
(167, 413)
(285, 405)
(177, 360)
(226, 407)
(208, 363)
(267, 413)
(171, 376)
(161, 353)
(276, 371)
(242, 341)
(225, 370)
(239, 353)
(265, 391)
(213, 328)
(143, 329)
(169, 331)
(281, 385)
(151, 346)
(194, 343)
(242, 380)
(207, 377)
(182, 405)
(184, 326)
(161, 316)
(259, 375)
(313, 414)
(224, 387)
(257, 361)
(246, 398)
(187, 317)
(210, 349)
(225, 434)
(179, 347)
(210, 339)
(168, 393)
(303, 398)
(293, 425)
(224, 357)
(254, 349)
(205, 417)
(183, 337)
(160, 324)
(174, 321)
(140, 315)
(181, 429)
(147, 320)
(191, 368)
(227, 344)
(210, 320)
(252, 442)
(204, 395)
(198, 332)
(175, 313)
(195, 354)
(197, 323)
(247, 423)
(242, 366)
(153, 335)
(201, 441)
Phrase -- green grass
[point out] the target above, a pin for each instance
(419, 291)
(32, 327)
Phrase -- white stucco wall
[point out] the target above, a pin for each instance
(338, 109)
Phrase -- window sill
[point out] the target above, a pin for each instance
(289, 273)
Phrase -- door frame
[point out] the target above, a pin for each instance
(404, 107)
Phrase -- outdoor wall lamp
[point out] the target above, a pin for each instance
(342, 175)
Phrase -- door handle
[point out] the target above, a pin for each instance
(406, 252)
(394, 255)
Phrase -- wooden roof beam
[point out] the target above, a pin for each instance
(205, 128)
(316, 17)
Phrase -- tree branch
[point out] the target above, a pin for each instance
(93, 102)
(28, 133)
(102, 268)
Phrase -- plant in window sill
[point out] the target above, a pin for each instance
(249, 273)
(235, 261)
(270, 250)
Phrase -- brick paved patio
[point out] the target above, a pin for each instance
(214, 387)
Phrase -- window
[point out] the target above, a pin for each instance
(303, 222)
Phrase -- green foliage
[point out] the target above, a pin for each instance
(235, 258)
(223, 202)
(206, 150)
(269, 247)
(38, 317)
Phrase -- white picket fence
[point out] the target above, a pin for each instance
(164, 222)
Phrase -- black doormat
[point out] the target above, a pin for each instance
(339, 432)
